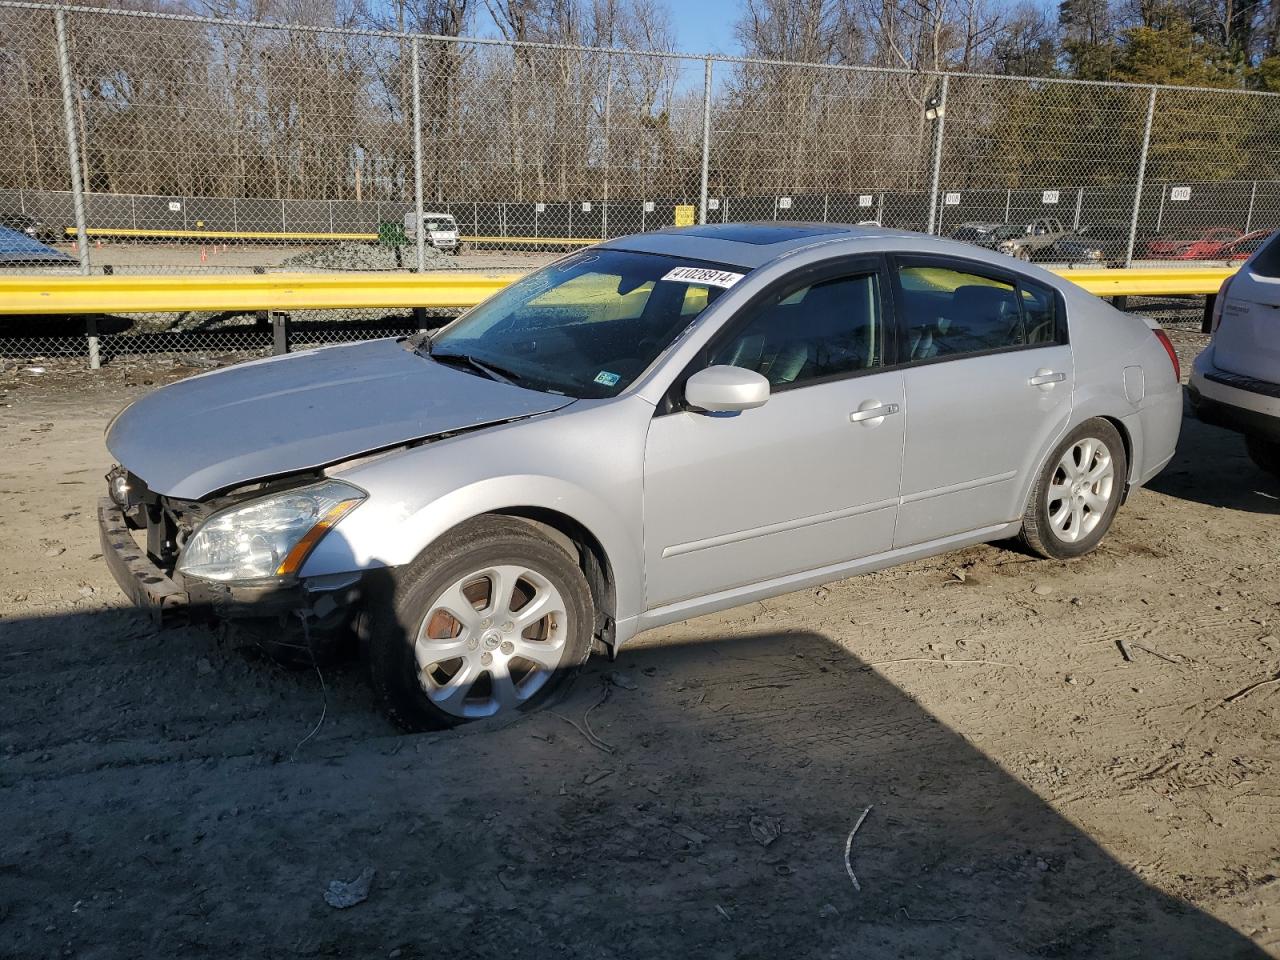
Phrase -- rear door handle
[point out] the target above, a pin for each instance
(879, 411)
(1046, 378)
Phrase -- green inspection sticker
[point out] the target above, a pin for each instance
(607, 378)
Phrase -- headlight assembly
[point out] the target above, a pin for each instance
(268, 537)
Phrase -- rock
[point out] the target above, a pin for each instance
(690, 834)
(828, 910)
(765, 830)
(620, 679)
(204, 667)
(87, 591)
(55, 551)
(342, 894)
(1042, 866)
(1043, 590)
(1072, 680)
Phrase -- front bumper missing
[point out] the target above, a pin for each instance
(170, 600)
(141, 580)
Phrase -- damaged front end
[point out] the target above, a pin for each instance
(234, 557)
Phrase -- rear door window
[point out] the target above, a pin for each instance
(952, 311)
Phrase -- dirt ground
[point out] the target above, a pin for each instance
(1031, 792)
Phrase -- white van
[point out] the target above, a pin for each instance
(442, 230)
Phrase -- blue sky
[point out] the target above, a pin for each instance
(701, 26)
(705, 26)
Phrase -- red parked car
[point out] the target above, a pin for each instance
(1205, 244)
(1246, 246)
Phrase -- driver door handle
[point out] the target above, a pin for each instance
(1040, 379)
(873, 413)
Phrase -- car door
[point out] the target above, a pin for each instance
(989, 377)
(807, 480)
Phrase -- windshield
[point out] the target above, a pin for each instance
(585, 326)
(449, 224)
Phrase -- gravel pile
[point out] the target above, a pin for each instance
(360, 256)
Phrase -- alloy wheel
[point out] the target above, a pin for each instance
(1081, 490)
(491, 641)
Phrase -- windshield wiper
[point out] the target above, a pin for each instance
(492, 371)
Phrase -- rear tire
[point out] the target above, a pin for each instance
(1264, 453)
(452, 639)
(1076, 496)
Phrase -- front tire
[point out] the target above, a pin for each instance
(1264, 453)
(1078, 492)
(489, 621)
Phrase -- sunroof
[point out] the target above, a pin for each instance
(759, 233)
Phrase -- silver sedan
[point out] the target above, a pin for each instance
(653, 428)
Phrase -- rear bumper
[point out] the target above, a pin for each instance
(1237, 403)
(1241, 419)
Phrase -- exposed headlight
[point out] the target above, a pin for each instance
(270, 537)
(1005, 247)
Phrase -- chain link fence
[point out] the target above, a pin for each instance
(161, 143)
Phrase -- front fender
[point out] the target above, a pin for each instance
(585, 466)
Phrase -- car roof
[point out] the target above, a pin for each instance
(748, 245)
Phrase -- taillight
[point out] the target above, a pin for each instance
(1216, 318)
(1173, 354)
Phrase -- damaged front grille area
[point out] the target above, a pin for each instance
(168, 522)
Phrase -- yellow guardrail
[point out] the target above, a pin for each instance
(244, 292)
(179, 293)
(1148, 281)
(282, 235)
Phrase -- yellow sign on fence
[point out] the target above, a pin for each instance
(684, 215)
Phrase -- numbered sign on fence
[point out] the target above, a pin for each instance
(1049, 196)
(648, 206)
(784, 203)
(951, 199)
(1179, 193)
(864, 199)
(713, 204)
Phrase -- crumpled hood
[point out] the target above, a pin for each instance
(302, 411)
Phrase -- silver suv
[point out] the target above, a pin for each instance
(1235, 382)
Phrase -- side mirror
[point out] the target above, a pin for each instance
(724, 389)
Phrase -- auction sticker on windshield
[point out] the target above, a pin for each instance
(713, 278)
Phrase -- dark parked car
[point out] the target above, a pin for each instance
(985, 235)
(31, 226)
(1105, 242)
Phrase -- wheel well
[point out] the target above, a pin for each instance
(1126, 440)
(581, 544)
